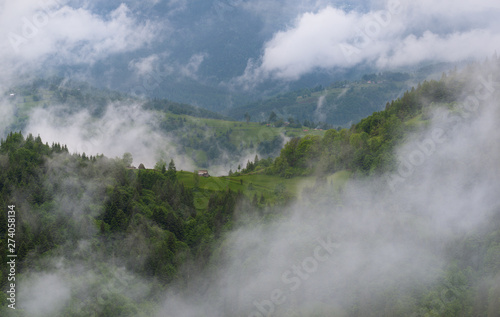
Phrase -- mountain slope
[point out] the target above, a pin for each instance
(339, 104)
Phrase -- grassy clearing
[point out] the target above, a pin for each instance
(255, 184)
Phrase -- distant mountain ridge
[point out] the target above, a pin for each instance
(341, 103)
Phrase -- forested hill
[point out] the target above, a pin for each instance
(145, 219)
(369, 146)
(196, 137)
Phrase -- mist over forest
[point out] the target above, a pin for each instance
(249, 158)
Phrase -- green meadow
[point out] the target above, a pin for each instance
(271, 187)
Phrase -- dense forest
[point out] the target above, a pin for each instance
(145, 219)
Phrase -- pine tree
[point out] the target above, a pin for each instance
(172, 171)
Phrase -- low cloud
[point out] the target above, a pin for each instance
(146, 65)
(122, 128)
(191, 68)
(45, 294)
(392, 34)
(7, 113)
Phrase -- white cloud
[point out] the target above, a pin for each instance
(146, 65)
(45, 295)
(451, 48)
(56, 33)
(7, 113)
(191, 68)
(122, 128)
(176, 6)
(278, 13)
(393, 34)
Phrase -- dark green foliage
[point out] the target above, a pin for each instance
(269, 148)
(171, 172)
(296, 157)
(109, 204)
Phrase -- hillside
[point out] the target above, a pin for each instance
(168, 106)
(340, 104)
(77, 96)
(91, 222)
(195, 137)
(368, 147)
(216, 144)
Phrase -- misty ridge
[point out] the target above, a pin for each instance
(418, 240)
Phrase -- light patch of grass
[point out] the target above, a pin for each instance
(250, 185)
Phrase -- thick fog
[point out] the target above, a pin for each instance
(122, 128)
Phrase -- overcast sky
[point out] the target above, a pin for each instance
(391, 34)
(43, 34)
(296, 37)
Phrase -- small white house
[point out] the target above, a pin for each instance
(203, 173)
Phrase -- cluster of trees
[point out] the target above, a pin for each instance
(270, 148)
(257, 165)
(63, 198)
(297, 157)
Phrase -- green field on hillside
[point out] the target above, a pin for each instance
(269, 186)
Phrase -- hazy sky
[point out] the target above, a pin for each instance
(294, 37)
